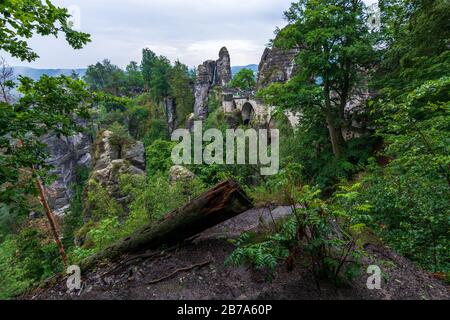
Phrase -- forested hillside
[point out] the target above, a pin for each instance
(364, 175)
(35, 74)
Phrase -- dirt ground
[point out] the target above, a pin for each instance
(160, 277)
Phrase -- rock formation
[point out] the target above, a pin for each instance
(210, 74)
(223, 68)
(277, 65)
(206, 73)
(171, 113)
(67, 155)
(180, 174)
(110, 161)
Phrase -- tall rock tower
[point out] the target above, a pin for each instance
(277, 65)
(210, 74)
(223, 68)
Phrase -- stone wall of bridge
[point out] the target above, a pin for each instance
(253, 110)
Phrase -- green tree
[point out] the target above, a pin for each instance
(181, 85)
(244, 80)
(74, 75)
(147, 63)
(106, 77)
(158, 157)
(20, 20)
(157, 130)
(336, 46)
(46, 106)
(408, 194)
(415, 37)
(134, 78)
(156, 73)
(120, 137)
(159, 82)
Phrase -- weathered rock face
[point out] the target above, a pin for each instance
(67, 155)
(206, 74)
(277, 65)
(210, 74)
(223, 68)
(111, 161)
(171, 113)
(180, 174)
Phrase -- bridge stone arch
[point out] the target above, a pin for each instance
(252, 109)
(293, 118)
(280, 120)
(247, 112)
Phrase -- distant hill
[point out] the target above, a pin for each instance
(35, 74)
(236, 69)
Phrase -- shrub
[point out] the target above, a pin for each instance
(13, 278)
(24, 260)
(119, 137)
(312, 229)
(73, 219)
(159, 157)
(151, 198)
(99, 204)
(157, 130)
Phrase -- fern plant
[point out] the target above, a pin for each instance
(316, 229)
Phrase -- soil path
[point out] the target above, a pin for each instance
(212, 279)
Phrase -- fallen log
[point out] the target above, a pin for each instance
(224, 201)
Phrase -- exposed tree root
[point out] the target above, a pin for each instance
(199, 265)
(128, 261)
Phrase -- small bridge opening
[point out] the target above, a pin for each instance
(281, 122)
(247, 113)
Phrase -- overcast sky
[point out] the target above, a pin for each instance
(189, 30)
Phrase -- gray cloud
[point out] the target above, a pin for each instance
(189, 30)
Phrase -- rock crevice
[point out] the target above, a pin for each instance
(110, 161)
(67, 156)
(210, 74)
(277, 65)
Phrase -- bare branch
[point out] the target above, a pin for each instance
(6, 76)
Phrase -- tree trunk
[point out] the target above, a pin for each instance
(216, 205)
(335, 135)
(51, 221)
(337, 141)
(5, 96)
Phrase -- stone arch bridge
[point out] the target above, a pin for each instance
(252, 109)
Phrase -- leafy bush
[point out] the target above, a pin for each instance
(317, 229)
(159, 157)
(410, 212)
(73, 218)
(309, 146)
(26, 259)
(149, 200)
(408, 195)
(157, 130)
(13, 278)
(244, 80)
(104, 233)
(99, 204)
